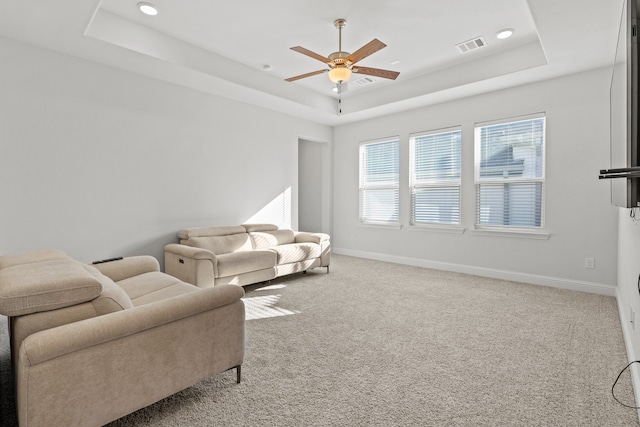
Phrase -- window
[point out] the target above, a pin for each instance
(435, 177)
(379, 182)
(509, 165)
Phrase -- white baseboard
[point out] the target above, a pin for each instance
(534, 279)
(631, 356)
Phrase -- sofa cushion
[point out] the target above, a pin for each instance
(154, 286)
(45, 285)
(222, 244)
(223, 230)
(268, 239)
(245, 262)
(296, 252)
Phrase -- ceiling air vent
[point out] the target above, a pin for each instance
(472, 44)
(364, 81)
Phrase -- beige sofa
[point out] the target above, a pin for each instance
(244, 254)
(91, 344)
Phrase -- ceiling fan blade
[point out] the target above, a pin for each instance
(314, 55)
(372, 47)
(302, 76)
(377, 72)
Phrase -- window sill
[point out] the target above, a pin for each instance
(453, 229)
(380, 225)
(516, 233)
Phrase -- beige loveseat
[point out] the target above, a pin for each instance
(91, 344)
(244, 254)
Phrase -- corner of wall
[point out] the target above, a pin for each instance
(631, 356)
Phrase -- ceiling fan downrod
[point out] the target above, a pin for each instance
(339, 24)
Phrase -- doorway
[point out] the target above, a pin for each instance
(312, 186)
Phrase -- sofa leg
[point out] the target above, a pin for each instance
(238, 372)
(327, 269)
(304, 272)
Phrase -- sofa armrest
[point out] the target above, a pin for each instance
(303, 236)
(190, 264)
(62, 340)
(189, 251)
(128, 267)
(321, 239)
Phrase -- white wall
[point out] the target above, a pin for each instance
(579, 218)
(628, 286)
(101, 162)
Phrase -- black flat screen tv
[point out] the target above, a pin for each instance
(624, 170)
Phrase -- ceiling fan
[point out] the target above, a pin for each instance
(342, 64)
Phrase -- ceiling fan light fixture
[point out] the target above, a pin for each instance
(339, 74)
(148, 8)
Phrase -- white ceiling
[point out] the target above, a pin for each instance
(221, 47)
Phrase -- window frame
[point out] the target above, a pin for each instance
(363, 187)
(415, 185)
(522, 230)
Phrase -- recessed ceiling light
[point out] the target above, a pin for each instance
(148, 8)
(505, 34)
(396, 62)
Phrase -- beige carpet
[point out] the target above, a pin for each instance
(379, 344)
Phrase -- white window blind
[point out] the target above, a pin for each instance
(379, 182)
(509, 163)
(435, 177)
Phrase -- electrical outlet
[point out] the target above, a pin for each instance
(589, 263)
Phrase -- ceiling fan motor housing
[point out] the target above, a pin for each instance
(337, 58)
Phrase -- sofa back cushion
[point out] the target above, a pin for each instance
(112, 298)
(259, 227)
(221, 244)
(218, 239)
(52, 283)
(31, 257)
(267, 239)
(224, 230)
